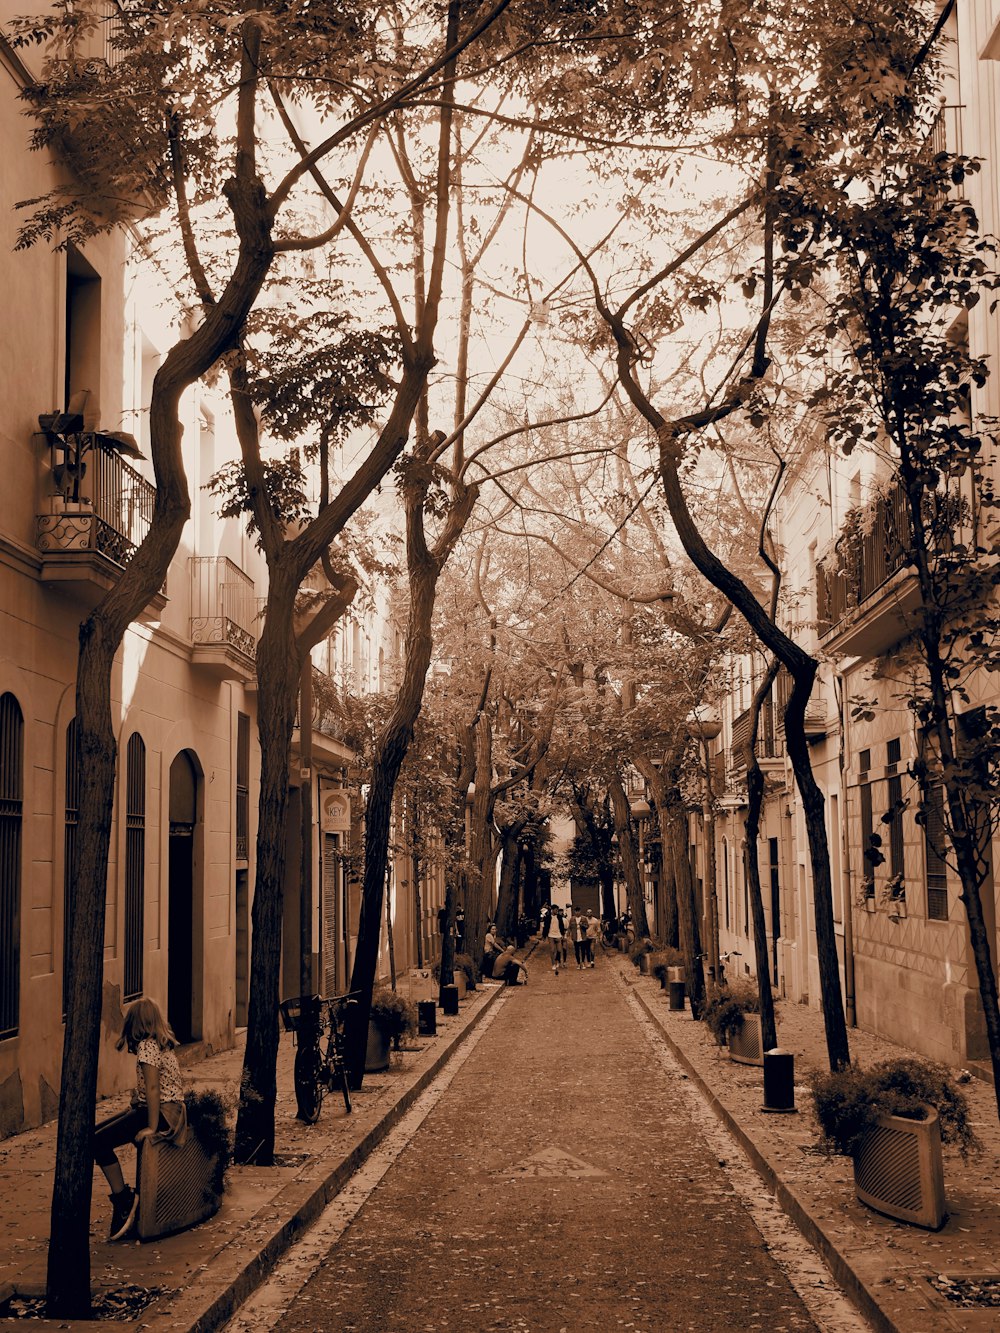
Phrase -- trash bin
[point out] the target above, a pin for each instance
(779, 1081)
(449, 999)
(426, 1018)
(676, 989)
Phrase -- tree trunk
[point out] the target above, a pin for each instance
(482, 849)
(68, 1291)
(675, 835)
(627, 850)
(802, 668)
(277, 675)
(755, 804)
(668, 893)
(506, 914)
(101, 634)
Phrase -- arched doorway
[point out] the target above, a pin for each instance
(183, 934)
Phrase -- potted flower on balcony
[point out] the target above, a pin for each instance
(893, 897)
(892, 1119)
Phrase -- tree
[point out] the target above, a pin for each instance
(144, 129)
(908, 256)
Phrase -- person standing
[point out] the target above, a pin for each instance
(552, 930)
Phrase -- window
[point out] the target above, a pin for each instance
(867, 835)
(135, 864)
(83, 335)
(934, 844)
(11, 812)
(242, 787)
(894, 810)
(70, 825)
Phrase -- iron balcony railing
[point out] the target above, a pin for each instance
(768, 740)
(223, 604)
(868, 555)
(123, 502)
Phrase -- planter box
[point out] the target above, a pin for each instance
(377, 1050)
(898, 1170)
(746, 1045)
(175, 1187)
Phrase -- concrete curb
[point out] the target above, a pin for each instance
(797, 1210)
(243, 1265)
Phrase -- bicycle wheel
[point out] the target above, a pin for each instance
(308, 1087)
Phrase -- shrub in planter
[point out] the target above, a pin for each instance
(464, 963)
(725, 1007)
(892, 1120)
(662, 959)
(850, 1103)
(393, 1014)
(640, 949)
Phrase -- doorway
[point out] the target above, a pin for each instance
(183, 934)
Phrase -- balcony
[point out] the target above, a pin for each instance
(865, 601)
(86, 542)
(769, 741)
(223, 618)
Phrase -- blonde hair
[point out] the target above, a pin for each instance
(143, 1019)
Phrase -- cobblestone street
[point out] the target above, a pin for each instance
(562, 1182)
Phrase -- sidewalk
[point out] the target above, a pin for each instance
(206, 1272)
(885, 1267)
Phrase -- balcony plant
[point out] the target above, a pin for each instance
(893, 896)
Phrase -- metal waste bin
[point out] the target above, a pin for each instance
(779, 1081)
(676, 990)
(449, 999)
(426, 1018)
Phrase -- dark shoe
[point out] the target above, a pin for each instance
(123, 1212)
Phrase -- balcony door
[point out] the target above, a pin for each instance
(184, 971)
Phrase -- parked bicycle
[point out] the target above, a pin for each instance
(319, 1066)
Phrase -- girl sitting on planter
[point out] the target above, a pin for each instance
(157, 1106)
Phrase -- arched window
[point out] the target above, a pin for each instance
(11, 814)
(135, 864)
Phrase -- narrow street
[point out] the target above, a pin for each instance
(562, 1181)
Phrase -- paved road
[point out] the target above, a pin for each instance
(562, 1182)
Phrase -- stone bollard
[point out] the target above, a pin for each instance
(779, 1081)
(426, 1018)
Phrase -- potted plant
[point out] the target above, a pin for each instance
(893, 897)
(732, 1013)
(866, 893)
(892, 1119)
(391, 1017)
(663, 961)
(639, 951)
(465, 966)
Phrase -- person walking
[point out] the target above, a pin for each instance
(552, 930)
(593, 935)
(157, 1108)
(573, 931)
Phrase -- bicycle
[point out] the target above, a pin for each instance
(318, 1068)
